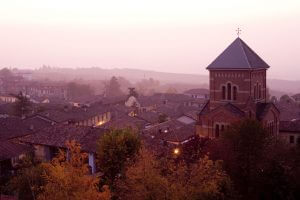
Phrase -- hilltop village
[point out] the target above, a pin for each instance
(38, 117)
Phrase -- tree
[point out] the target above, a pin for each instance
(247, 140)
(6, 73)
(77, 90)
(162, 118)
(67, 177)
(144, 179)
(171, 90)
(133, 92)
(113, 88)
(147, 86)
(286, 99)
(148, 178)
(115, 150)
(22, 105)
(28, 180)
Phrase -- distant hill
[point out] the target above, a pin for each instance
(277, 86)
(105, 74)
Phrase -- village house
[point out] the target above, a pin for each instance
(8, 98)
(238, 90)
(198, 93)
(10, 154)
(40, 89)
(47, 142)
(168, 135)
(83, 116)
(290, 132)
(11, 128)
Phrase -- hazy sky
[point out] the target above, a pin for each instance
(164, 35)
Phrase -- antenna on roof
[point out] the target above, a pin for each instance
(238, 31)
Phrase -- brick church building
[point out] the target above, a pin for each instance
(237, 84)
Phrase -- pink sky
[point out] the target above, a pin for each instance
(162, 35)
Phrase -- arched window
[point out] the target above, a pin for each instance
(234, 92)
(217, 131)
(223, 92)
(228, 91)
(254, 92)
(259, 92)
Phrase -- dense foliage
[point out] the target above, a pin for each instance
(116, 149)
(260, 166)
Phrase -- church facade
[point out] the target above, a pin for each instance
(238, 90)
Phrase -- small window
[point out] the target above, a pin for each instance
(292, 139)
(259, 93)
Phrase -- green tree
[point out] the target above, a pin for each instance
(22, 106)
(116, 150)
(247, 140)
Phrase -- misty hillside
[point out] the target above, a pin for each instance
(277, 87)
(104, 74)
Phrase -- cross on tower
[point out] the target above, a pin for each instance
(238, 32)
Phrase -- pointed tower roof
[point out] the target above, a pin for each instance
(238, 55)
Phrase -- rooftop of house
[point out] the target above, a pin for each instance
(290, 126)
(126, 121)
(261, 109)
(150, 117)
(59, 134)
(197, 91)
(9, 149)
(176, 98)
(13, 127)
(7, 109)
(238, 55)
(171, 131)
(175, 110)
(288, 111)
(114, 100)
(296, 96)
(37, 122)
(73, 114)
